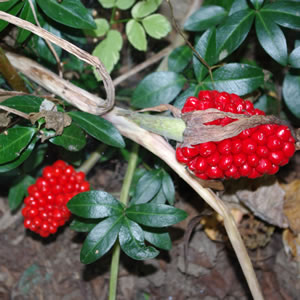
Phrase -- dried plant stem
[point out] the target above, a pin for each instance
(14, 111)
(101, 106)
(10, 74)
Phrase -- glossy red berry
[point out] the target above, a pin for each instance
(45, 207)
(252, 153)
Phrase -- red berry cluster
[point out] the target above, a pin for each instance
(254, 152)
(45, 207)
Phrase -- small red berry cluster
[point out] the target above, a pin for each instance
(45, 206)
(254, 152)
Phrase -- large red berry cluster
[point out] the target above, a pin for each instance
(254, 152)
(45, 206)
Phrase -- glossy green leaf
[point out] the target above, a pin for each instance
(18, 191)
(271, 38)
(68, 12)
(147, 187)
(13, 141)
(291, 93)
(24, 103)
(205, 17)
(5, 6)
(284, 13)
(179, 58)
(145, 8)
(257, 3)
(156, 25)
(102, 27)
(235, 78)
(94, 205)
(159, 198)
(98, 128)
(168, 188)
(233, 32)
(157, 88)
(155, 215)
(108, 50)
(131, 238)
(136, 35)
(39, 47)
(192, 90)
(26, 14)
(12, 11)
(83, 225)
(124, 4)
(294, 59)
(158, 237)
(72, 138)
(35, 158)
(269, 105)
(238, 5)
(224, 3)
(17, 162)
(107, 3)
(100, 239)
(206, 47)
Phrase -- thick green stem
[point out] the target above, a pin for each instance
(93, 159)
(124, 197)
(168, 127)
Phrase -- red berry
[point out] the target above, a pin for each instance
(180, 157)
(213, 159)
(253, 160)
(289, 149)
(245, 170)
(224, 147)
(232, 172)
(207, 149)
(276, 157)
(190, 152)
(214, 172)
(201, 164)
(239, 159)
(264, 166)
(259, 137)
(274, 143)
(225, 162)
(236, 146)
(262, 151)
(283, 132)
(249, 146)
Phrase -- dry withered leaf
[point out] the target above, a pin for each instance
(291, 243)
(54, 120)
(4, 119)
(292, 204)
(265, 198)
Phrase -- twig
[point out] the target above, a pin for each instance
(14, 111)
(101, 106)
(59, 64)
(152, 60)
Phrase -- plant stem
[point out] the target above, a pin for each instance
(93, 159)
(124, 197)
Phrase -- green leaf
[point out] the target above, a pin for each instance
(39, 47)
(68, 12)
(235, 78)
(257, 3)
(192, 90)
(238, 5)
(136, 35)
(155, 215)
(24, 103)
(107, 3)
(159, 237)
(18, 191)
(147, 186)
(233, 32)
(100, 239)
(17, 162)
(168, 188)
(205, 17)
(294, 59)
(145, 8)
(98, 128)
(83, 225)
(157, 88)
(159, 198)
(108, 50)
(269, 105)
(224, 3)
(26, 14)
(206, 47)
(179, 58)
(35, 158)
(13, 141)
(271, 38)
(124, 4)
(131, 238)
(102, 27)
(12, 11)
(72, 138)
(5, 6)
(157, 25)
(95, 205)
(284, 13)
(291, 93)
